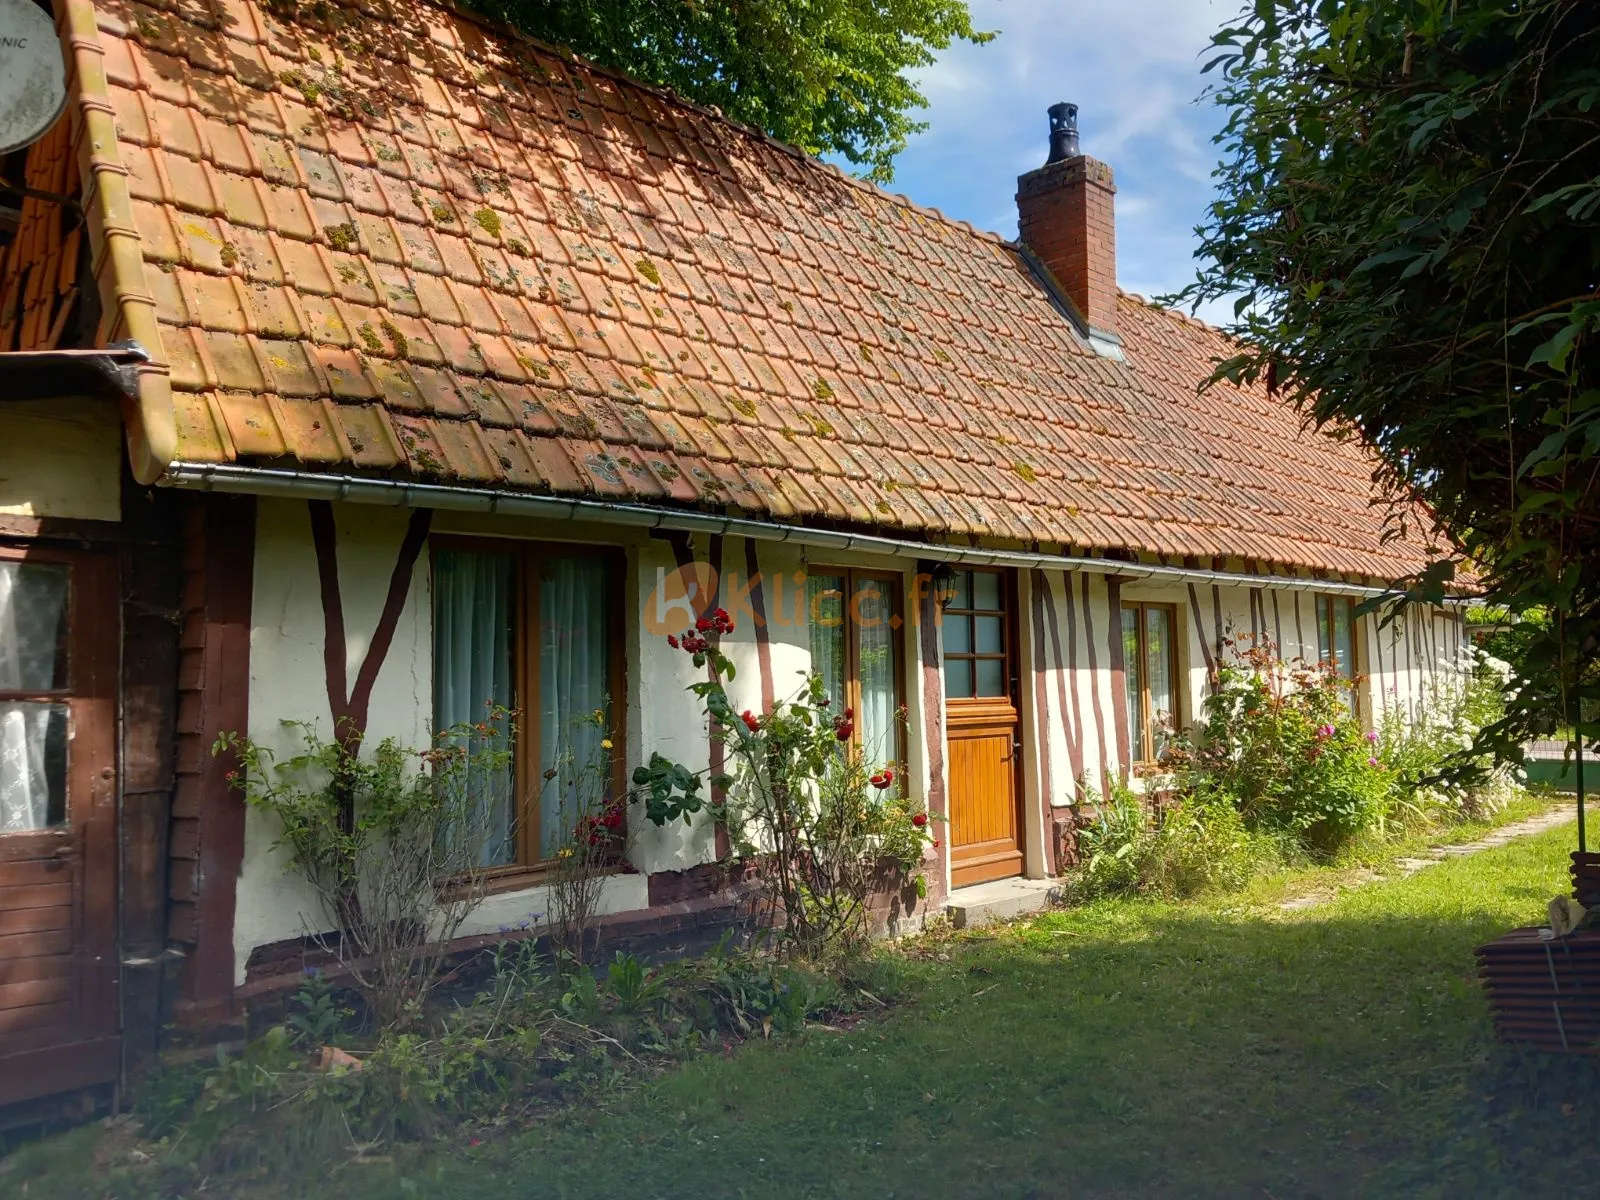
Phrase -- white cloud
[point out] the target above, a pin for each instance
(1133, 69)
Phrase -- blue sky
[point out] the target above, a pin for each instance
(1133, 69)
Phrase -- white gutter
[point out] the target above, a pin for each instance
(273, 481)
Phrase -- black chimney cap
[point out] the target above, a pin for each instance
(1063, 133)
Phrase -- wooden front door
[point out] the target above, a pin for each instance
(983, 721)
(58, 817)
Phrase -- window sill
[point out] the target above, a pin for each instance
(524, 878)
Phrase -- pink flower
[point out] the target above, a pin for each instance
(1372, 737)
(1372, 762)
(1326, 731)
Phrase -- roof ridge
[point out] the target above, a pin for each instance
(813, 162)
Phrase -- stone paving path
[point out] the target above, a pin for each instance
(1435, 855)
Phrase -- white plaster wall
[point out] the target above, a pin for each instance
(288, 681)
(61, 458)
(1400, 662)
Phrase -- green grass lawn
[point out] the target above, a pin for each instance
(1127, 1049)
(1220, 1048)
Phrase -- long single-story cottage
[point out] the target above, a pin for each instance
(371, 365)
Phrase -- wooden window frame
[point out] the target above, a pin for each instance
(1007, 612)
(852, 645)
(527, 751)
(1146, 709)
(1325, 629)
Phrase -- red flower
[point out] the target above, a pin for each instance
(672, 640)
(843, 729)
(919, 819)
(751, 721)
(703, 624)
(849, 714)
(882, 779)
(937, 843)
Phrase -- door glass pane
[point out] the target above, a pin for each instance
(986, 591)
(33, 766)
(33, 626)
(1324, 650)
(1133, 676)
(991, 676)
(958, 678)
(474, 597)
(879, 673)
(574, 677)
(1158, 670)
(957, 633)
(986, 635)
(825, 621)
(963, 597)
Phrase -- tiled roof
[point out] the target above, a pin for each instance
(415, 245)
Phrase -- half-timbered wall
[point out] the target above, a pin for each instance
(1075, 720)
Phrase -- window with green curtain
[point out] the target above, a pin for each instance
(556, 609)
(474, 605)
(574, 665)
(854, 624)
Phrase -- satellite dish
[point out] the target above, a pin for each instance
(33, 76)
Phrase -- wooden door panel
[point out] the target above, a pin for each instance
(985, 822)
(58, 872)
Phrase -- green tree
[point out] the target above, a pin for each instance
(829, 76)
(1407, 220)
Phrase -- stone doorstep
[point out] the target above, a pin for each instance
(1000, 900)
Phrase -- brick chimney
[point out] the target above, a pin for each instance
(1065, 218)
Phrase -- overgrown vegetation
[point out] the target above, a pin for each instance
(1408, 219)
(1280, 772)
(391, 843)
(1214, 1048)
(826, 827)
(315, 1091)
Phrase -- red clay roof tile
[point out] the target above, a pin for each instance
(395, 240)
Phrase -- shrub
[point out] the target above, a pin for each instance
(1431, 751)
(1278, 745)
(1196, 844)
(796, 796)
(376, 837)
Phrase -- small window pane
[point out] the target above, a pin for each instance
(987, 635)
(958, 678)
(1324, 650)
(963, 597)
(986, 591)
(1158, 668)
(1343, 652)
(957, 634)
(1133, 676)
(991, 676)
(825, 609)
(33, 766)
(33, 626)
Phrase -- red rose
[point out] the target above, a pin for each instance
(882, 779)
(919, 819)
(849, 714)
(937, 843)
(751, 721)
(843, 729)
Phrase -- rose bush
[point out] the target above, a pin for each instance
(797, 796)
